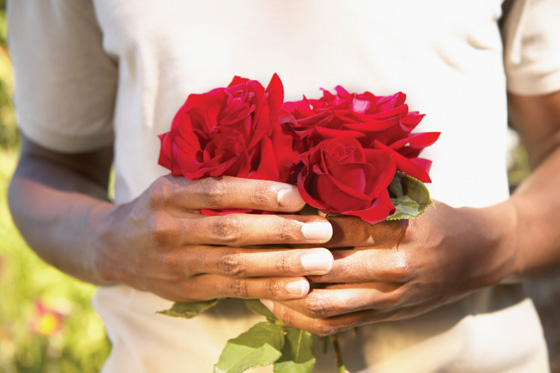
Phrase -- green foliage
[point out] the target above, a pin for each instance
(297, 354)
(74, 340)
(79, 343)
(9, 135)
(189, 310)
(257, 307)
(3, 28)
(409, 196)
(260, 345)
(268, 342)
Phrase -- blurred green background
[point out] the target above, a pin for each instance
(46, 321)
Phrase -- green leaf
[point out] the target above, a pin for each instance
(260, 345)
(297, 355)
(189, 310)
(409, 196)
(257, 307)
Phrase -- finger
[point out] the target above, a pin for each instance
(336, 324)
(210, 286)
(239, 262)
(351, 231)
(226, 193)
(367, 265)
(325, 326)
(324, 303)
(252, 229)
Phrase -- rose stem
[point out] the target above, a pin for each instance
(324, 344)
(338, 354)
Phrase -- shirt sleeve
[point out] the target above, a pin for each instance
(65, 82)
(531, 31)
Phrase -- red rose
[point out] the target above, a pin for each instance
(375, 121)
(340, 176)
(230, 131)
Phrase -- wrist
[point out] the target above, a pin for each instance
(104, 261)
(496, 227)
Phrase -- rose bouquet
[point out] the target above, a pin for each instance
(349, 154)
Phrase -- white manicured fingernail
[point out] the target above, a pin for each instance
(289, 197)
(317, 231)
(318, 262)
(297, 288)
(268, 304)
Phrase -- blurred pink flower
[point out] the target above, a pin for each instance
(46, 321)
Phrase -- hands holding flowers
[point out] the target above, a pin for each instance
(353, 158)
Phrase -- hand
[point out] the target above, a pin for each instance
(161, 243)
(401, 269)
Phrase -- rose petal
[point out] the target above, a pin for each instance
(353, 175)
(303, 181)
(410, 122)
(385, 167)
(338, 198)
(379, 210)
(268, 166)
(237, 80)
(416, 140)
(275, 91)
(426, 164)
(165, 152)
(373, 125)
(405, 165)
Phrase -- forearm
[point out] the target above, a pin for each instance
(536, 203)
(159, 242)
(55, 209)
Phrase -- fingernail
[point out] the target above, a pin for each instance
(297, 288)
(268, 304)
(289, 197)
(317, 231)
(318, 262)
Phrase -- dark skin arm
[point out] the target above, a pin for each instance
(159, 242)
(448, 252)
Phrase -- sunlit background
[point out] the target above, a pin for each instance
(46, 322)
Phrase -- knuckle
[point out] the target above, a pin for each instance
(239, 289)
(159, 192)
(190, 293)
(167, 259)
(285, 264)
(234, 265)
(260, 197)
(161, 231)
(288, 231)
(214, 192)
(317, 307)
(227, 229)
(274, 288)
(401, 270)
(392, 299)
(172, 264)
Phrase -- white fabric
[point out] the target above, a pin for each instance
(88, 73)
(533, 56)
